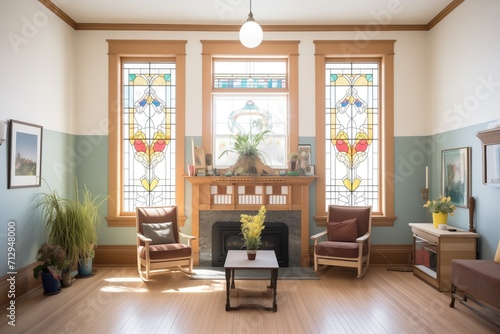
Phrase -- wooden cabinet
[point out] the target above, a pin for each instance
(433, 250)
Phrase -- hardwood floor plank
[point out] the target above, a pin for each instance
(116, 300)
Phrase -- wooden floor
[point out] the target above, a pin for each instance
(115, 300)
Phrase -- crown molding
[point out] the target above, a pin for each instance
(231, 28)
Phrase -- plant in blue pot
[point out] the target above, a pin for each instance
(54, 261)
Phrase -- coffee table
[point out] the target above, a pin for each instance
(265, 260)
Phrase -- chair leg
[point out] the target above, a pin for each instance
(315, 263)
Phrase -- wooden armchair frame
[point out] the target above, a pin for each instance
(166, 256)
(342, 213)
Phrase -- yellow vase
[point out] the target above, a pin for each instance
(439, 218)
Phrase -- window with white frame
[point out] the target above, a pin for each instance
(250, 96)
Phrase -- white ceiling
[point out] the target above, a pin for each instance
(230, 12)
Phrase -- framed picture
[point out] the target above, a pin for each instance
(310, 170)
(455, 171)
(199, 158)
(304, 152)
(25, 155)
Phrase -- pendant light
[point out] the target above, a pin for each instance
(250, 32)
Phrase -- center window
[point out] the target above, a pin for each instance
(250, 97)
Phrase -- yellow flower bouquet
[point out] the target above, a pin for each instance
(251, 228)
(440, 205)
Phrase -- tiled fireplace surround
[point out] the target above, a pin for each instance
(224, 199)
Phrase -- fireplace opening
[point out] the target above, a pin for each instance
(226, 236)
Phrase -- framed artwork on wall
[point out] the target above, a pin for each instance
(304, 152)
(199, 158)
(25, 155)
(455, 172)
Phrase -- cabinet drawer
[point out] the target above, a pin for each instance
(424, 235)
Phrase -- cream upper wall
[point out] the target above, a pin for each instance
(37, 62)
(410, 64)
(464, 50)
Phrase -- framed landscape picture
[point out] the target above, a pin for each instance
(455, 170)
(25, 155)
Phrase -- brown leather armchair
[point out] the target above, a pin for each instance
(158, 241)
(347, 241)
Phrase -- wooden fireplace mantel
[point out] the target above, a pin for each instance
(280, 193)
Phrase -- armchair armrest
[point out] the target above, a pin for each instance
(188, 237)
(363, 238)
(318, 235)
(143, 238)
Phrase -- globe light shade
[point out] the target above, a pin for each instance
(251, 34)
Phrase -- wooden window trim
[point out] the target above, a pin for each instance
(215, 49)
(143, 50)
(355, 50)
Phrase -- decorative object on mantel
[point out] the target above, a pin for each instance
(294, 159)
(250, 157)
(440, 208)
(251, 229)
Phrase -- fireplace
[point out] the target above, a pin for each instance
(209, 218)
(226, 236)
(221, 198)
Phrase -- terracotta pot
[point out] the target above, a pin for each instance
(251, 254)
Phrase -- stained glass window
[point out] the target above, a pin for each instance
(351, 133)
(149, 119)
(260, 103)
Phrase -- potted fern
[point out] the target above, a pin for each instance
(71, 223)
(246, 146)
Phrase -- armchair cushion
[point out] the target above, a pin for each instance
(160, 233)
(165, 251)
(345, 231)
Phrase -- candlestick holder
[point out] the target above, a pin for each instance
(425, 194)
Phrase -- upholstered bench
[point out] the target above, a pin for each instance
(480, 282)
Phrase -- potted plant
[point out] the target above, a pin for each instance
(54, 261)
(71, 223)
(251, 229)
(249, 156)
(294, 159)
(440, 208)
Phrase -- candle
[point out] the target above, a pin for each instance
(192, 150)
(427, 177)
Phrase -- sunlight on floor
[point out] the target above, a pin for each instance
(196, 289)
(123, 279)
(114, 288)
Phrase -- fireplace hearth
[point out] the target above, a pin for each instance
(226, 236)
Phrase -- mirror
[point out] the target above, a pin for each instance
(491, 156)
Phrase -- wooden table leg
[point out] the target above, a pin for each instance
(232, 278)
(274, 283)
(228, 279)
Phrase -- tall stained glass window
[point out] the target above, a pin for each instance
(351, 133)
(149, 119)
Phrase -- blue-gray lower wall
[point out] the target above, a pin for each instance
(66, 156)
(486, 217)
(18, 205)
